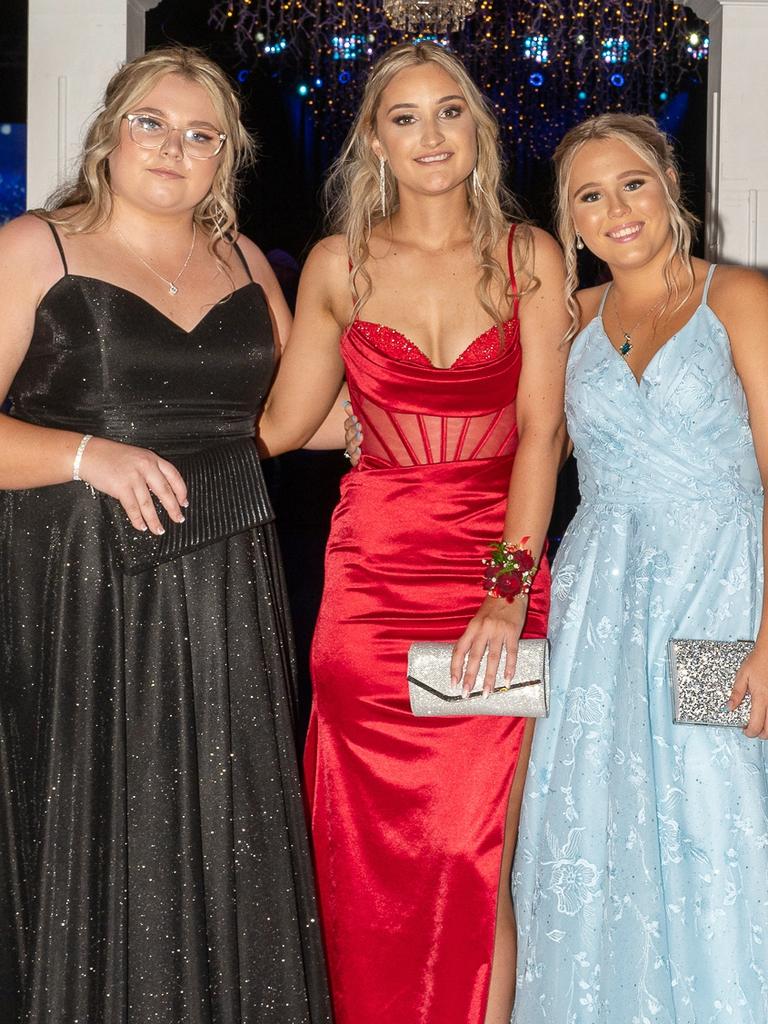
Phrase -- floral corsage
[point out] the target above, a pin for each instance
(509, 571)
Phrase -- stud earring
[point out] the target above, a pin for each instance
(383, 185)
(579, 241)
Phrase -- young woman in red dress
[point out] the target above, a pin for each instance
(448, 322)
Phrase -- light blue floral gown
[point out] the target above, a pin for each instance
(641, 875)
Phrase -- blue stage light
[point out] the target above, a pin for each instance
(617, 80)
(536, 79)
(345, 78)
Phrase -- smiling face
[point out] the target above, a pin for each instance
(619, 204)
(166, 180)
(425, 131)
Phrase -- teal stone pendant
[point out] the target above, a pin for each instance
(626, 348)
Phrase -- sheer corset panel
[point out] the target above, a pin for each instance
(414, 439)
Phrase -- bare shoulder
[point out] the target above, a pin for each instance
(29, 258)
(537, 255)
(26, 237)
(258, 264)
(738, 294)
(588, 300)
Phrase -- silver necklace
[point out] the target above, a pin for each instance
(172, 286)
(626, 347)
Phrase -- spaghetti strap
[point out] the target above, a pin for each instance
(59, 246)
(243, 260)
(511, 266)
(601, 307)
(707, 283)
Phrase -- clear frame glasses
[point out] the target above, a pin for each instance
(151, 132)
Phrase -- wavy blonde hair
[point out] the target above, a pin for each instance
(215, 214)
(645, 138)
(352, 187)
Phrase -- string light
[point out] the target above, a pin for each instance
(617, 55)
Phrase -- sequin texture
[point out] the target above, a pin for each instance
(153, 855)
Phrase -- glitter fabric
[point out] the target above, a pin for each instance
(153, 857)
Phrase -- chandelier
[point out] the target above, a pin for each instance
(438, 16)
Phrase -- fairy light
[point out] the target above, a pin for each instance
(544, 64)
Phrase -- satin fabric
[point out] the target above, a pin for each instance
(154, 866)
(408, 814)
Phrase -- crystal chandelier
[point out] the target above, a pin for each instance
(438, 16)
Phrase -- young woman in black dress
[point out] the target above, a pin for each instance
(153, 859)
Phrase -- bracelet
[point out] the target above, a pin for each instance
(79, 455)
(509, 571)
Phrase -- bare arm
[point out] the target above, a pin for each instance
(740, 298)
(542, 439)
(311, 370)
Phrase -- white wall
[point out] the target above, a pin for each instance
(737, 131)
(74, 48)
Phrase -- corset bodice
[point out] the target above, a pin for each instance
(414, 413)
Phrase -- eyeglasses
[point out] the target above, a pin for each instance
(152, 132)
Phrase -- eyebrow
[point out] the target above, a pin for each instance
(190, 124)
(624, 174)
(413, 106)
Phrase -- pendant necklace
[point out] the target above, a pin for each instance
(626, 347)
(172, 286)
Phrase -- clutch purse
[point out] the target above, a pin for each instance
(226, 493)
(525, 696)
(702, 673)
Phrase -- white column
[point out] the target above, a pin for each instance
(737, 131)
(74, 48)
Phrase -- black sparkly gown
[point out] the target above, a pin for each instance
(153, 858)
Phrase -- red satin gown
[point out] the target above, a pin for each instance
(408, 813)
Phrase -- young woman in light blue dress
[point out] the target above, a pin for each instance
(641, 873)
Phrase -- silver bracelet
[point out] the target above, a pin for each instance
(79, 456)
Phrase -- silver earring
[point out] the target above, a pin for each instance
(579, 241)
(383, 185)
(475, 182)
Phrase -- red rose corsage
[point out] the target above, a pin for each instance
(509, 571)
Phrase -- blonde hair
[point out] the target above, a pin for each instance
(352, 187)
(90, 190)
(641, 134)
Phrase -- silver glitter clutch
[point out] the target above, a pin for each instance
(526, 696)
(702, 673)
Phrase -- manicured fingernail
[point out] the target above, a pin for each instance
(486, 695)
(185, 504)
(346, 404)
(180, 519)
(160, 531)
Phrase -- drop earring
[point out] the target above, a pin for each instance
(579, 241)
(383, 185)
(475, 182)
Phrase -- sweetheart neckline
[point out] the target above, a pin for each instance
(146, 302)
(420, 351)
